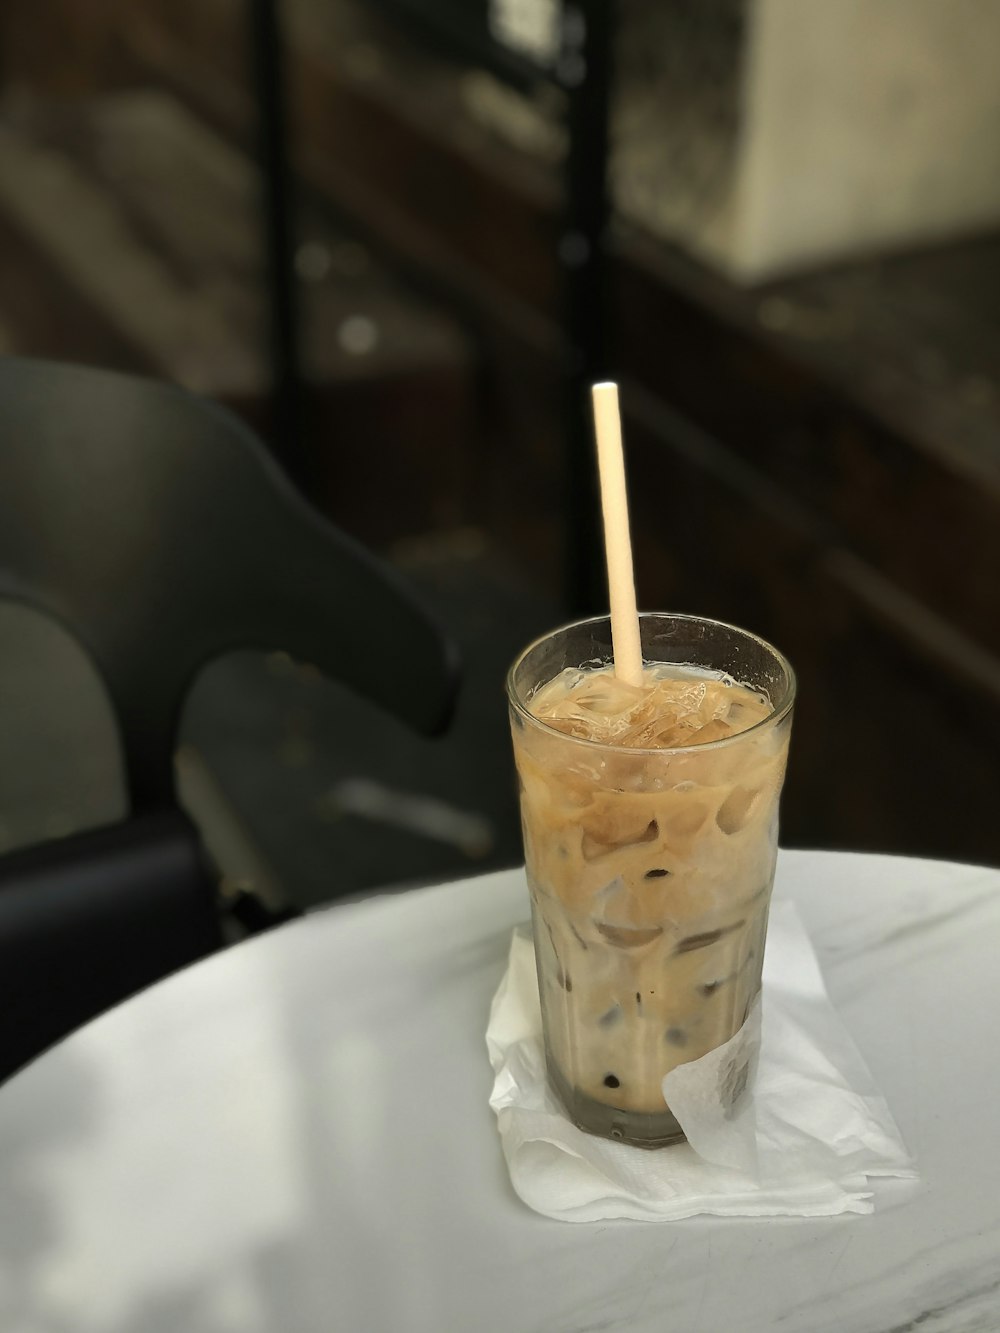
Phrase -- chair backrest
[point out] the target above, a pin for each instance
(158, 530)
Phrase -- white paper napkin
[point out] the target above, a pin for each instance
(804, 1144)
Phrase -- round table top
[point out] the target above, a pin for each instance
(295, 1135)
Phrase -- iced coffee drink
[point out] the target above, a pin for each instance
(649, 814)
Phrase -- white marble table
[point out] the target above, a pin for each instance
(295, 1136)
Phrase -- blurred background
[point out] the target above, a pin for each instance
(400, 237)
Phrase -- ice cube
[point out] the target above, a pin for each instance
(615, 823)
(736, 809)
(716, 730)
(628, 937)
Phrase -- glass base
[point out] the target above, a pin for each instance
(639, 1129)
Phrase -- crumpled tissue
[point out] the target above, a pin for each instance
(805, 1142)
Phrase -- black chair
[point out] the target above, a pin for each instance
(157, 530)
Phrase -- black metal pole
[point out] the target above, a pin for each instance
(584, 70)
(278, 239)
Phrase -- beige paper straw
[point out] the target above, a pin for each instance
(617, 542)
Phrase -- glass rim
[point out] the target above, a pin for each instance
(778, 713)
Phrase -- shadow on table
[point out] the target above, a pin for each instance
(387, 1079)
(56, 1265)
(38, 1126)
(233, 1152)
